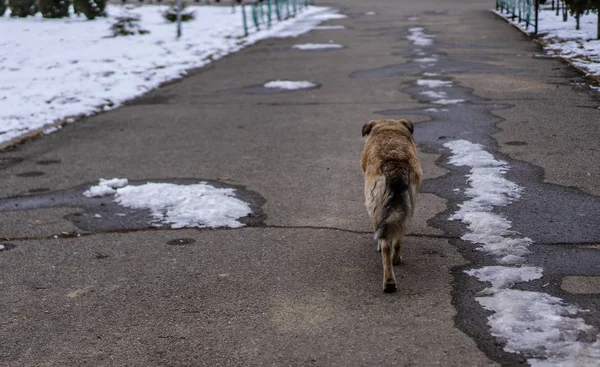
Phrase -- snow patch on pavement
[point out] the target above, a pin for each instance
(419, 38)
(448, 101)
(533, 323)
(434, 94)
(289, 84)
(317, 46)
(426, 60)
(488, 189)
(503, 276)
(105, 187)
(541, 325)
(433, 83)
(198, 205)
(92, 72)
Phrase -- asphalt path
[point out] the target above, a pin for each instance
(301, 283)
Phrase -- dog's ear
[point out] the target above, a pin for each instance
(408, 125)
(367, 128)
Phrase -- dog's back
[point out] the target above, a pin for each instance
(392, 178)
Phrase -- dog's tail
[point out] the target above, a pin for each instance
(397, 203)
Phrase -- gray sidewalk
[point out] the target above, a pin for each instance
(302, 285)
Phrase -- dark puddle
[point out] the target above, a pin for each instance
(261, 89)
(9, 161)
(102, 214)
(5, 246)
(181, 241)
(546, 213)
(30, 174)
(47, 162)
(150, 99)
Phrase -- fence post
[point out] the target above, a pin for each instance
(537, 16)
(244, 20)
(277, 12)
(255, 16)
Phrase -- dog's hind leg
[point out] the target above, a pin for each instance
(397, 257)
(389, 279)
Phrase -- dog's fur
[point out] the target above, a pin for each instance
(392, 178)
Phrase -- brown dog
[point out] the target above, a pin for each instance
(392, 178)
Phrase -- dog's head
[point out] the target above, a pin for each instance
(373, 124)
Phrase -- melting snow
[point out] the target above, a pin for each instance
(503, 276)
(488, 188)
(317, 46)
(433, 83)
(105, 187)
(434, 94)
(419, 38)
(289, 84)
(541, 325)
(448, 101)
(427, 60)
(198, 205)
(534, 323)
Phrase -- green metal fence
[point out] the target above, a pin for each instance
(524, 10)
(263, 13)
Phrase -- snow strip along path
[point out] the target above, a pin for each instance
(42, 88)
(580, 47)
(532, 323)
(317, 46)
(200, 205)
(290, 84)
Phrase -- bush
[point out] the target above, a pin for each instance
(90, 8)
(54, 8)
(2, 7)
(22, 8)
(126, 25)
(171, 13)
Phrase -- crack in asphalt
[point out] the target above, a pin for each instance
(67, 235)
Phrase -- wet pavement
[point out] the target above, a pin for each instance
(301, 286)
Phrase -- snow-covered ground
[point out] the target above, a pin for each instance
(54, 70)
(199, 205)
(533, 323)
(581, 47)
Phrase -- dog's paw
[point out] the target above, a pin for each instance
(397, 260)
(390, 287)
(378, 247)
